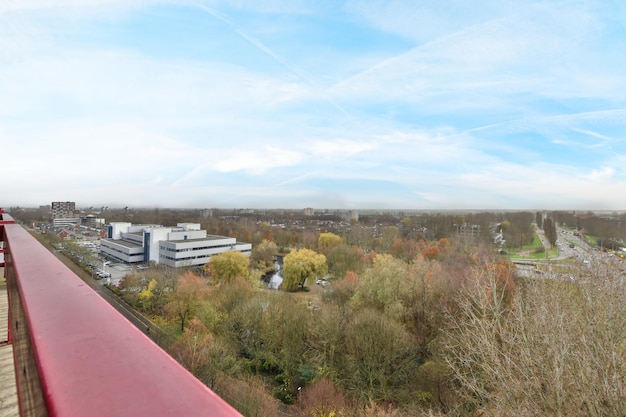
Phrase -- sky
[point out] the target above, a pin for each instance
(416, 104)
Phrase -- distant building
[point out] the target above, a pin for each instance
(92, 221)
(309, 211)
(468, 231)
(183, 245)
(63, 209)
(64, 213)
(352, 215)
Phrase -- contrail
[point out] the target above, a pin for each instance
(295, 70)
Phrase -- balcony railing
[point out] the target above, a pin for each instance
(75, 355)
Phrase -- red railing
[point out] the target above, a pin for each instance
(75, 355)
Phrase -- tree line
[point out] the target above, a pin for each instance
(418, 327)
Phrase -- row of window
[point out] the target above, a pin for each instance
(194, 258)
(112, 250)
(169, 249)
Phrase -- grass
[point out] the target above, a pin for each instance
(528, 251)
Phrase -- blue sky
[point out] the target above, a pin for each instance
(327, 104)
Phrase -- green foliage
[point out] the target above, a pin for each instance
(343, 258)
(307, 373)
(378, 357)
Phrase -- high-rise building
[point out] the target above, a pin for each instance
(63, 209)
(64, 213)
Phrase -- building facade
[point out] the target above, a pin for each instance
(63, 213)
(183, 245)
(63, 209)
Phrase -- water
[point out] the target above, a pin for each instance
(276, 279)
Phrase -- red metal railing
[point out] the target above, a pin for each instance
(76, 355)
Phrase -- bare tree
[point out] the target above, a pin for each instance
(554, 348)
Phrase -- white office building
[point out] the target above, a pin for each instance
(183, 245)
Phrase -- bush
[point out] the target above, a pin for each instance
(322, 399)
(247, 396)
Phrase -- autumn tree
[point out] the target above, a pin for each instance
(263, 254)
(388, 236)
(343, 258)
(379, 286)
(431, 252)
(301, 265)
(188, 294)
(226, 266)
(406, 250)
(327, 241)
(192, 350)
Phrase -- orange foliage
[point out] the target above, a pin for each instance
(368, 259)
(268, 235)
(351, 278)
(444, 245)
(431, 253)
(504, 273)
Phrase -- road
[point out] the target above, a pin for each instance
(570, 247)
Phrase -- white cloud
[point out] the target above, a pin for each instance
(259, 161)
(603, 174)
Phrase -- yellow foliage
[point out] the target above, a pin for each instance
(147, 293)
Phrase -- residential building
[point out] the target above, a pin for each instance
(64, 214)
(63, 209)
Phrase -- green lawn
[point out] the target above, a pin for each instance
(528, 251)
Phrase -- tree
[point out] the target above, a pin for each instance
(300, 266)
(379, 286)
(549, 229)
(518, 231)
(389, 235)
(192, 350)
(554, 349)
(343, 258)
(378, 358)
(229, 265)
(327, 241)
(263, 254)
(431, 252)
(187, 296)
(323, 399)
